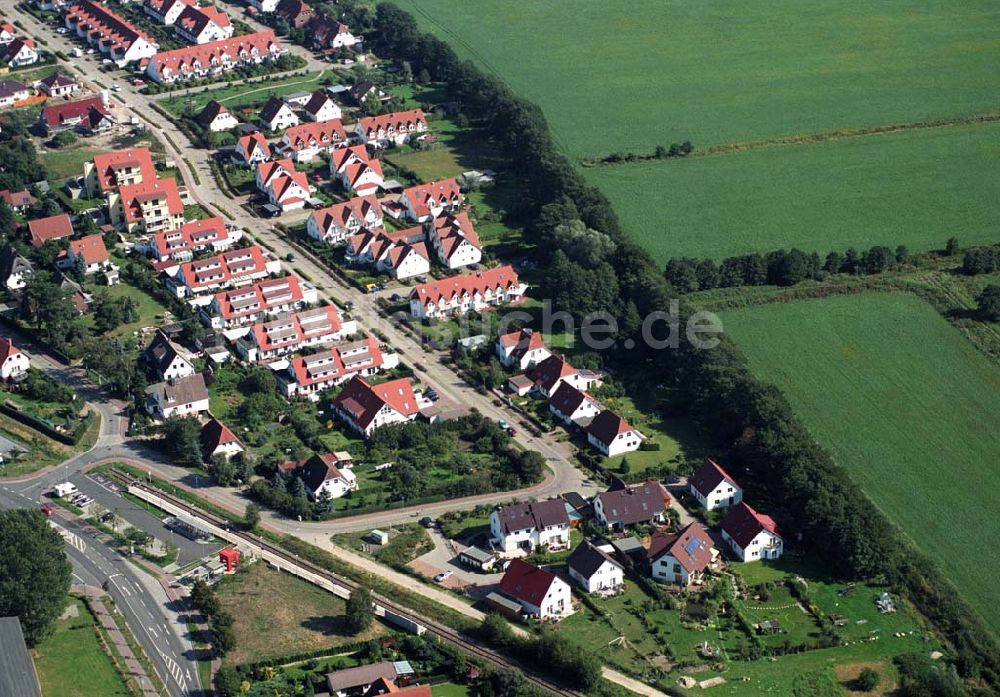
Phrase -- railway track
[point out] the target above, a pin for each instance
(441, 631)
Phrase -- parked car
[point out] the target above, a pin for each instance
(289, 257)
(115, 87)
(427, 522)
(442, 576)
(47, 511)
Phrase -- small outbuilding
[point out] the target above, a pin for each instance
(477, 558)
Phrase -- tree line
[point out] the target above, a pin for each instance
(745, 417)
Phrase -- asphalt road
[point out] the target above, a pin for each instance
(159, 625)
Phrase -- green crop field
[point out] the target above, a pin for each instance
(629, 75)
(916, 188)
(907, 405)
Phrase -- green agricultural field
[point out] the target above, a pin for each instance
(627, 76)
(907, 405)
(916, 188)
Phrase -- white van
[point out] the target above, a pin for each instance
(65, 489)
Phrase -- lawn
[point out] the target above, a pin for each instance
(277, 614)
(916, 188)
(150, 310)
(72, 663)
(39, 451)
(406, 543)
(243, 95)
(66, 162)
(907, 405)
(629, 76)
(450, 689)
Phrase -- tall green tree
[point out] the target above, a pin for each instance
(182, 440)
(989, 303)
(359, 613)
(34, 572)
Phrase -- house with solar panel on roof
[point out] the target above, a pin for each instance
(681, 558)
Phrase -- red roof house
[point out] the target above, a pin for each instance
(541, 593)
(54, 227)
(367, 407)
(751, 535)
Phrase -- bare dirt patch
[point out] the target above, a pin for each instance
(849, 672)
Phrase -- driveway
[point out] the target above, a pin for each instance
(444, 557)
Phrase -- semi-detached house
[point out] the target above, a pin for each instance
(543, 524)
(308, 376)
(305, 142)
(202, 25)
(401, 254)
(424, 202)
(395, 128)
(455, 240)
(166, 12)
(365, 408)
(194, 236)
(521, 349)
(336, 223)
(231, 269)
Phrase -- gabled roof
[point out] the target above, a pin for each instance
(527, 516)
(318, 469)
(317, 101)
(13, 263)
(348, 678)
(744, 523)
(57, 80)
(635, 504)
(55, 115)
(586, 559)
(334, 364)
(215, 434)
(527, 582)
(16, 46)
(253, 141)
(444, 190)
(219, 269)
(260, 297)
(297, 328)
(16, 199)
(161, 352)
(397, 121)
(340, 214)
(709, 476)
(272, 108)
(306, 135)
(607, 425)
(285, 183)
(503, 277)
(134, 195)
(267, 170)
(453, 230)
(186, 390)
(90, 248)
(691, 547)
(211, 112)
(363, 401)
(193, 234)
(222, 52)
(12, 88)
(54, 227)
(551, 370)
(567, 399)
(120, 34)
(194, 19)
(342, 157)
(7, 349)
(107, 165)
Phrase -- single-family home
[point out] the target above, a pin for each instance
(329, 34)
(107, 32)
(215, 58)
(326, 475)
(321, 107)
(12, 92)
(218, 439)
(21, 52)
(296, 12)
(360, 679)
(455, 240)
(289, 191)
(713, 488)
(336, 223)
(271, 170)
(13, 361)
(555, 370)
(53, 227)
(366, 408)
(474, 292)
(202, 25)
(166, 12)
(58, 84)
(423, 202)
(239, 306)
(396, 128)
(109, 170)
(252, 149)
(594, 570)
(7, 32)
(276, 115)
(680, 558)
(14, 268)
(278, 337)
(309, 376)
(217, 117)
(521, 349)
(19, 201)
(543, 524)
(542, 594)
(573, 407)
(148, 207)
(88, 255)
(751, 536)
(631, 505)
(89, 116)
(305, 142)
(165, 359)
(612, 435)
(185, 396)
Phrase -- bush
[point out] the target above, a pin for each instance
(867, 681)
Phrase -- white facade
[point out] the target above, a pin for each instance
(607, 579)
(626, 442)
(338, 486)
(179, 367)
(586, 410)
(328, 111)
(223, 122)
(668, 570)
(464, 254)
(557, 603)
(283, 118)
(264, 5)
(27, 55)
(16, 363)
(532, 537)
(411, 264)
(726, 493)
(764, 545)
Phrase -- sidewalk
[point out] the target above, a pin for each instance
(132, 666)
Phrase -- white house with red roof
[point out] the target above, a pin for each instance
(612, 435)
(252, 149)
(541, 593)
(424, 202)
(455, 240)
(210, 234)
(218, 439)
(751, 536)
(321, 107)
(473, 292)
(307, 141)
(324, 474)
(680, 558)
(521, 349)
(289, 191)
(13, 362)
(713, 487)
(336, 223)
(365, 408)
(90, 115)
(401, 254)
(88, 254)
(278, 337)
(356, 171)
(573, 407)
(7, 32)
(214, 58)
(147, 207)
(231, 269)
(309, 376)
(20, 52)
(202, 25)
(271, 170)
(551, 372)
(398, 127)
(249, 304)
(166, 12)
(109, 170)
(108, 33)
